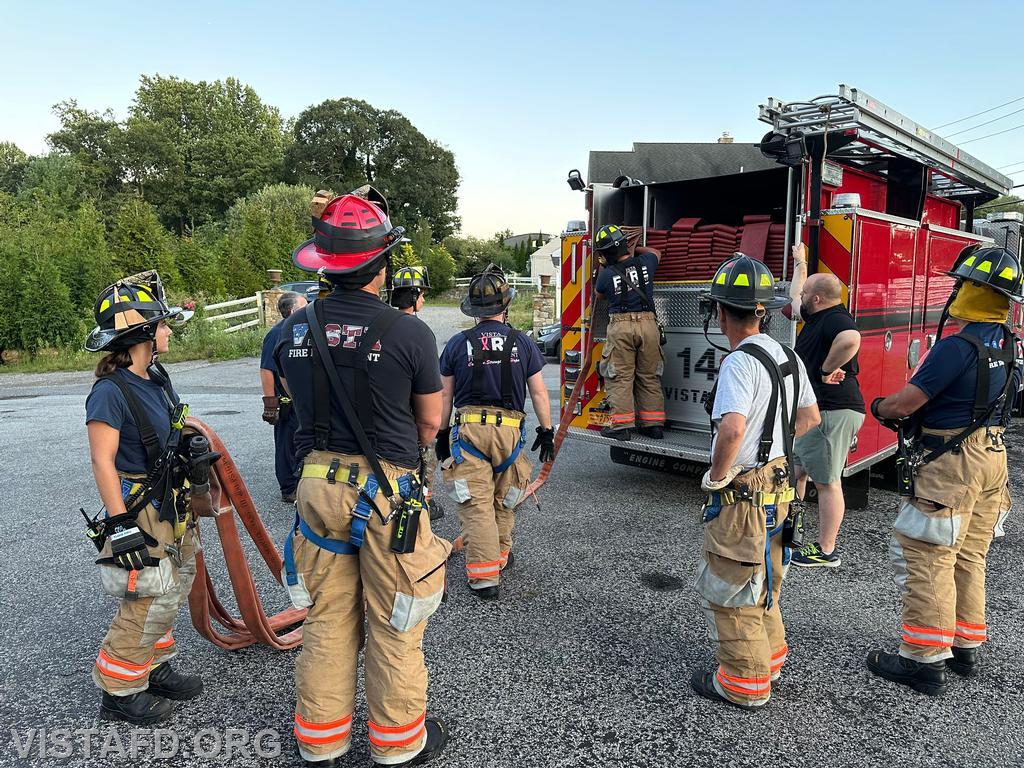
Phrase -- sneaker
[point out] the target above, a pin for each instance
(437, 737)
(924, 678)
(964, 661)
(703, 684)
(168, 684)
(811, 556)
(653, 432)
(616, 433)
(141, 708)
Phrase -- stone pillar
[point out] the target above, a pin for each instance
(543, 305)
(268, 307)
(275, 278)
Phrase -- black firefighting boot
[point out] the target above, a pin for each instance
(168, 684)
(142, 708)
(509, 561)
(623, 433)
(437, 737)
(923, 678)
(331, 762)
(654, 432)
(436, 509)
(703, 684)
(487, 593)
(964, 661)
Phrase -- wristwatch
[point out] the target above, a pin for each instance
(824, 374)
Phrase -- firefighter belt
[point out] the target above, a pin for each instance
(489, 474)
(940, 540)
(739, 580)
(140, 635)
(346, 589)
(632, 363)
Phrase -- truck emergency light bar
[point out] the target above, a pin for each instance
(882, 132)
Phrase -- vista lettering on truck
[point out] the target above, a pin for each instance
(881, 202)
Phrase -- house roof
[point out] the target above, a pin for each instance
(653, 162)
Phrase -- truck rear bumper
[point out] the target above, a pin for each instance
(678, 444)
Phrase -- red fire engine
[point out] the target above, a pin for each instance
(877, 198)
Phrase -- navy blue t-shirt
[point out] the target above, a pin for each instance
(267, 361)
(949, 377)
(402, 363)
(613, 287)
(457, 361)
(107, 403)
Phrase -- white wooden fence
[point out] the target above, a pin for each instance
(238, 309)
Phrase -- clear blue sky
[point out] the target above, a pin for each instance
(521, 91)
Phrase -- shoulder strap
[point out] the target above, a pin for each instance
(1008, 354)
(479, 356)
(639, 285)
(776, 374)
(322, 351)
(150, 440)
(511, 340)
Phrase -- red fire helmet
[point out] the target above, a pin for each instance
(351, 236)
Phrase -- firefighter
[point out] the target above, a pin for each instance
(632, 361)
(485, 372)
(145, 538)
(761, 402)
(408, 289)
(960, 396)
(364, 380)
(277, 406)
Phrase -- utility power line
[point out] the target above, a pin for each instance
(978, 114)
(987, 122)
(997, 133)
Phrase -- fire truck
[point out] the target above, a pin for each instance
(878, 200)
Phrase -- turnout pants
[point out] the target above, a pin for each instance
(487, 500)
(284, 449)
(632, 364)
(733, 578)
(390, 595)
(140, 636)
(940, 540)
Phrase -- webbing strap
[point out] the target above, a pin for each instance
(481, 356)
(983, 409)
(460, 446)
(336, 546)
(776, 374)
(150, 440)
(639, 285)
(323, 361)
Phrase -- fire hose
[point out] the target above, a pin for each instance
(283, 630)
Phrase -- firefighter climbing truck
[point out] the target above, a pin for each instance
(878, 200)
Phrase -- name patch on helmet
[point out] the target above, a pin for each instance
(299, 331)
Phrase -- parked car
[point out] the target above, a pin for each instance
(307, 288)
(550, 340)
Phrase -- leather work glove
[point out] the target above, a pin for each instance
(202, 504)
(271, 409)
(128, 548)
(707, 484)
(442, 447)
(546, 443)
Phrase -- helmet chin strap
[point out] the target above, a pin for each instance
(945, 311)
(707, 325)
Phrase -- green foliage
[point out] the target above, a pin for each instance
(139, 242)
(55, 184)
(472, 255)
(421, 251)
(12, 167)
(1002, 204)
(345, 143)
(284, 211)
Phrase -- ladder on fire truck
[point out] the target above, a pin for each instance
(873, 132)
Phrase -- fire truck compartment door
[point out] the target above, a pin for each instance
(691, 367)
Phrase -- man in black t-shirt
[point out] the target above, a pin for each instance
(349, 559)
(828, 346)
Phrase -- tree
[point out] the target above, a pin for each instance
(195, 148)
(286, 211)
(1010, 203)
(95, 140)
(472, 255)
(345, 143)
(79, 249)
(139, 242)
(12, 167)
(54, 184)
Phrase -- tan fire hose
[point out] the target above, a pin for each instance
(283, 630)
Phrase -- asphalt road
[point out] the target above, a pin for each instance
(585, 660)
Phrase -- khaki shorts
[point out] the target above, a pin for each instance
(822, 451)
